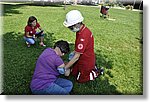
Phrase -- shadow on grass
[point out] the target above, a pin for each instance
(19, 62)
(103, 61)
(9, 9)
(99, 86)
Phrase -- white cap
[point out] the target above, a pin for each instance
(73, 17)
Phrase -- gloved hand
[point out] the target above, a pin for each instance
(71, 55)
(61, 70)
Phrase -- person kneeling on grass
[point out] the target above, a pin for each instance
(31, 34)
(104, 11)
(83, 56)
(48, 67)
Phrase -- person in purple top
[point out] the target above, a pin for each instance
(49, 66)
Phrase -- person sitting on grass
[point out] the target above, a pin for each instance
(31, 34)
(49, 66)
(104, 11)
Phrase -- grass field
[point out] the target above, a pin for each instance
(117, 47)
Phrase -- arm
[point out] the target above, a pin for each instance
(73, 60)
(27, 35)
(61, 66)
(62, 70)
(41, 29)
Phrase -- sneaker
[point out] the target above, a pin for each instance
(28, 45)
(42, 44)
(99, 71)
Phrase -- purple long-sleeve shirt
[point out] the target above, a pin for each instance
(46, 69)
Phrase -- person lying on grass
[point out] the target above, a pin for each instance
(83, 60)
(49, 66)
(31, 32)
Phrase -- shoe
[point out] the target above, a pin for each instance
(28, 45)
(42, 44)
(100, 71)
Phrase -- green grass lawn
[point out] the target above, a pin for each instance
(117, 48)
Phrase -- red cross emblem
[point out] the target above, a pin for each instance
(80, 46)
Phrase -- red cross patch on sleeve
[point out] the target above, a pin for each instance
(80, 46)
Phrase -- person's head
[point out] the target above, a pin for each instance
(62, 47)
(107, 7)
(32, 21)
(73, 20)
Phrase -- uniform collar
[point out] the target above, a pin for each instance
(82, 28)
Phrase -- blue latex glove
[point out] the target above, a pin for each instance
(61, 70)
(71, 55)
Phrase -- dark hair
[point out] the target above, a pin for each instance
(31, 19)
(63, 45)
